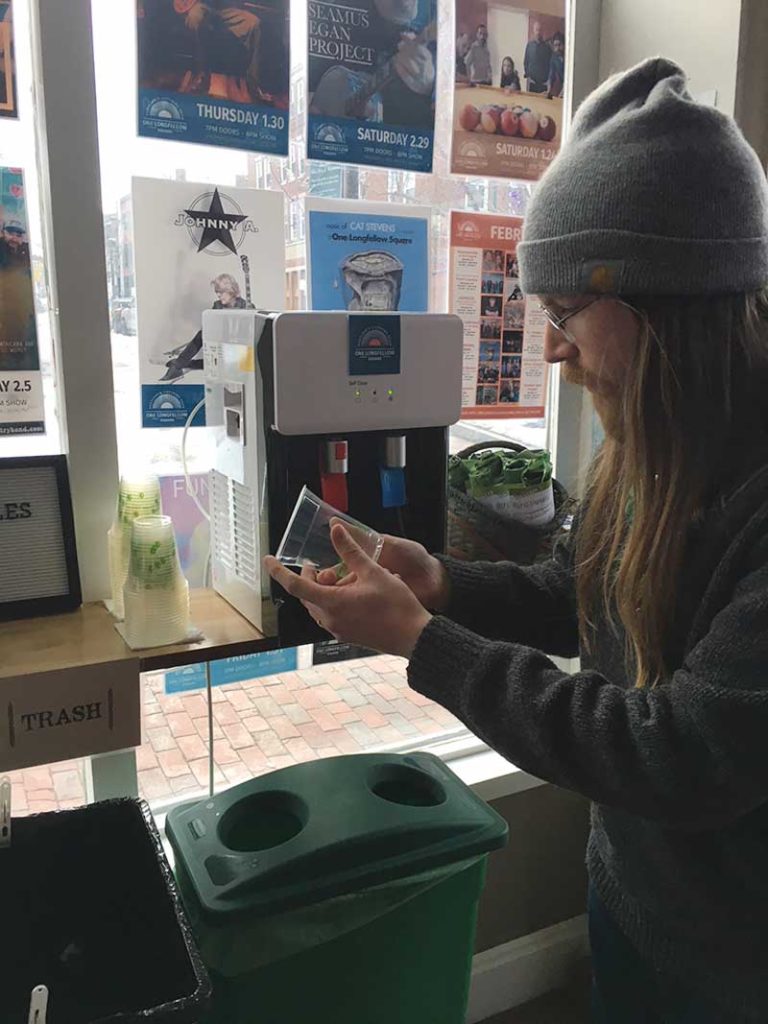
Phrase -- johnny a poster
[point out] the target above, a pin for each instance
(21, 385)
(372, 82)
(215, 71)
(361, 257)
(504, 373)
(8, 106)
(508, 92)
(199, 247)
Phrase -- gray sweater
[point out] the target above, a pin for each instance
(678, 774)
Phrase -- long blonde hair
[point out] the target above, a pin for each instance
(697, 387)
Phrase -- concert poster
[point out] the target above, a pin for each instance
(8, 94)
(509, 83)
(372, 67)
(21, 385)
(197, 247)
(361, 257)
(215, 71)
(504, 373)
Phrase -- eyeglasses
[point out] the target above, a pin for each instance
(558, 322)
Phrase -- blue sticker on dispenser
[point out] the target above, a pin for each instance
(374, 345)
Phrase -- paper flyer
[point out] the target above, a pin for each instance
(363, 258)
(509, 83)
(239, 669)
(198, 247)
(215, 71)
(21, 384)
(504, 373)
(8, 93)
(372, 82)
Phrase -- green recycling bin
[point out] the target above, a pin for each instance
(343, 891)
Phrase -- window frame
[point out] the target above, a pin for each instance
(68, 156)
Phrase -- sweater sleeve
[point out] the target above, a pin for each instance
(532, 604)
(690, 753)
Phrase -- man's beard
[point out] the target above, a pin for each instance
(607, 401)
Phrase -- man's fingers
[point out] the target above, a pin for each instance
(297, 586)
(349, 551)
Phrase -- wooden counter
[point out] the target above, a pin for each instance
(88, 637)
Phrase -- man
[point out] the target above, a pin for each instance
(478, 59)
(656, 299)
(537, 61)
(228, 296)
(462, 49)
(556, 79)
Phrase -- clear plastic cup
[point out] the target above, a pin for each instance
(307, 539)
(156, 594)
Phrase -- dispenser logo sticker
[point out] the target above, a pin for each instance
(374, 345)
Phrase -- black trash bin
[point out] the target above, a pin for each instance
(90, 910)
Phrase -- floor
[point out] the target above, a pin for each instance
(259, 725)
(569, 1005)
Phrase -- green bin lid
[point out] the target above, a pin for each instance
(313, 831)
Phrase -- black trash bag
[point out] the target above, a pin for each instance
(90, 910)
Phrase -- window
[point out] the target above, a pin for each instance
(308, 712)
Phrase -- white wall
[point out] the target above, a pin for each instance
(701, 35)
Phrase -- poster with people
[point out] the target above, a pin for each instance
(508, 91)
(215, 71)
(361, 257)
(372, 70)
(504, 373)
(8, 101)
(198, 247)
(21, 384)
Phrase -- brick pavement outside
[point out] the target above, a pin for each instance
(259, 725)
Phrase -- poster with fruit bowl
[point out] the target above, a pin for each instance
(508, 92)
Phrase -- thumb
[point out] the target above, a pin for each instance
(349, 551)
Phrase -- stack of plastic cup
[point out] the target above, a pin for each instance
(156, 595)
(136, 496)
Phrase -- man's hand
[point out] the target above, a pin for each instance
(421, 572)
(414, 64)
(239, 22)
(371, 606)
(196, 16)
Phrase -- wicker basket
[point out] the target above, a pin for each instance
(476, 533)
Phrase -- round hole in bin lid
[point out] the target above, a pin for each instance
(262, 821)
(407, 786)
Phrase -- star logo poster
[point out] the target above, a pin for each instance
(372, 71)
(197, 247)
(215, 71)
(509, 80)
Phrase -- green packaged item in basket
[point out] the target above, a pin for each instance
(514, 484)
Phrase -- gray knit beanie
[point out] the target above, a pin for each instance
(653, 193)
